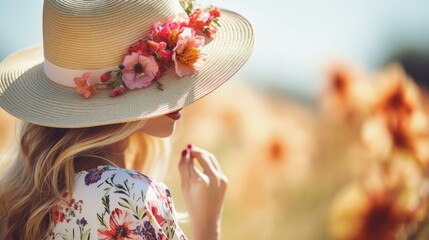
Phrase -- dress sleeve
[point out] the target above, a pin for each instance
(161, 209)
(142, 207)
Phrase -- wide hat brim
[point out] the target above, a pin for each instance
(28, 94)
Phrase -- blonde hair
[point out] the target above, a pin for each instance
(36, 172)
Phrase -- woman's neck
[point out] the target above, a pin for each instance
(113, 154)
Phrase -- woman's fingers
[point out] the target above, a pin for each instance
(187, 168)
(216, 164)
(204, 159)
(212, 172)
(204, 189)
(185, 174)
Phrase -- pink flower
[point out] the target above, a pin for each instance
(181, 19)
(121, 226)
(83, 87)
(117, 91)
(187, 55)
(139, 70)
(211, 31)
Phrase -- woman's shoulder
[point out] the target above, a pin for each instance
(107, 178)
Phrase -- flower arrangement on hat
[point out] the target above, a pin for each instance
(178, 41)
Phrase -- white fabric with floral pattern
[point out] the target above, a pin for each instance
(114, 203)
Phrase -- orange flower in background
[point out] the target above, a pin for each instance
(347, 93)
(361, 214)
(382, 204)
(285, 163)
(398, 120)
(397, 93)
(267, 132)
(265, 143)
(341, 80)
(382, 219)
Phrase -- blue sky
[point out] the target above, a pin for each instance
(295, 40)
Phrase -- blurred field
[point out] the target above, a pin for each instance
(352, 165)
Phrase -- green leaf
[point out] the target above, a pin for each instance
(125, 200)
(120, 187)
(123, 205)
(159, 85)
(106, 203)
(101, 219)
(141, 213)
(216, 22)
(126, 185)
(122, 192)
(85, 235)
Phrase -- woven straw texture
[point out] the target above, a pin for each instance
(100, 31)
(28, 94)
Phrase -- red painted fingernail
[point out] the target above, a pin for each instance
(184, 152)
(189, 146)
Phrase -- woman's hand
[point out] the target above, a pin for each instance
(203, 191)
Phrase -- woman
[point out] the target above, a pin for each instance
(70, 176)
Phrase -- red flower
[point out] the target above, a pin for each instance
(199, 19)
(152, 212)
(117, 91)
(106, 76)
(167, 33)
(165, 56)
(58, 215)
(155, 46)
(204, 20)
(139, 46)
(122, 227)
(215, 12)
(159, 219)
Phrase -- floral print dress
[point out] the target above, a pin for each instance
(115, 203)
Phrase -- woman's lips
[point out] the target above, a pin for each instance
(175, 115)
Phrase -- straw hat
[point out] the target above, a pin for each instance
(81, 36)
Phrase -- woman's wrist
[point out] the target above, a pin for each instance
(205, 235)
(207, 232)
